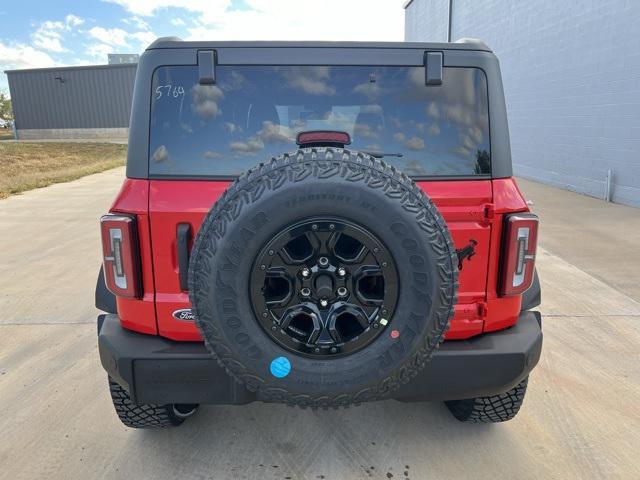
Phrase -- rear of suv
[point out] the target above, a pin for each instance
(318, 224)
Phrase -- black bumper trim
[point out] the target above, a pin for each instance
(157, 370)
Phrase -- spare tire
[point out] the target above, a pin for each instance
(324, 277)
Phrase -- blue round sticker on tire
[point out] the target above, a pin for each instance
(280, 367)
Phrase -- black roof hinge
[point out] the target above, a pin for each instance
(433, 68)
(207, 67)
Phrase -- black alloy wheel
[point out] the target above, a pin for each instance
(324, 287)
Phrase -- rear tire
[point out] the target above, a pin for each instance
(147, 415)
(492, 409)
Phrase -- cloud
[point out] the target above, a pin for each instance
(73, 21)
(145, 38)
(462, 151)
(205, 100)
(211, 154)
(395, 121)
(99, 51)
(137, 22)
(459, 101)
(310, 80)
(231, 127)
(269, 133)
(178, 22)
(205, 8)
(19, 55)
(251, 146)
(475, 133)
(467, 142)
(272, 133)
(160, 155)
(432, 110)
(364, 130)
(414, 143)
(399, 137)
(282, 19)
(459, 113)
(48, 36)
(233, 81)
(371, 90)
(433, 130)
(470, 141)
(412, 167)
(110, 36)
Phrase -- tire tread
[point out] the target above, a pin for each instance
(491, 409)
(142, 415)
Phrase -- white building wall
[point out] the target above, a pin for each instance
(427, 18)
(571, 73)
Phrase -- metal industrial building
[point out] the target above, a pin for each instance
(571, 73)
(90, 102)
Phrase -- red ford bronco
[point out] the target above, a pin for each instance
(318, 224)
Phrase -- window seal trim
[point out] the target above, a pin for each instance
(232, 178)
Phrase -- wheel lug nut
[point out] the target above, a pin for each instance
(323, 261)
(342, 272)
(342, 292)
(317, 350)
(274, 328)
(305, 292)
(334, 349)
(375, 325)
(305, 272)
(332, 227)
(324, 303)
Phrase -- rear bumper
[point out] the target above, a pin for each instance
(156, 370)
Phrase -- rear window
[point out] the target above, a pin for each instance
(255, 112)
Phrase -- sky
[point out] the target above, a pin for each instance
(64, 32)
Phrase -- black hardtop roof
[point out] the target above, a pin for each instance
(175, 42)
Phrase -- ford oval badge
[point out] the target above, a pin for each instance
(184, 315)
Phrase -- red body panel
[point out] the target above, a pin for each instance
(138, 314)
(171, 203)
(473, 210)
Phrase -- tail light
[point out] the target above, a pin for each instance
(121, 255)
(518, 253)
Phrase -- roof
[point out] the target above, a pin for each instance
(77, 67)
(175, 42)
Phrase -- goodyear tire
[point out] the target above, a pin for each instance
(387, 216)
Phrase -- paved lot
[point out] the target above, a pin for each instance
(581, 418)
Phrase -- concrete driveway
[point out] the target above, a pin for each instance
(581, 417)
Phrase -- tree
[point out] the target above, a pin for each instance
(483, 162)
(6, 112)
